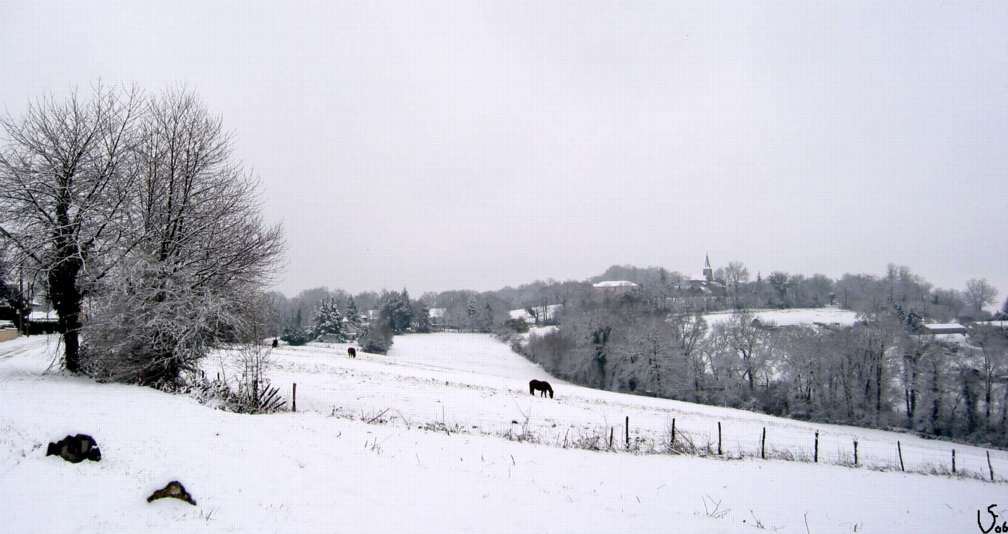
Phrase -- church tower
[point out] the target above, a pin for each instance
(708, 273)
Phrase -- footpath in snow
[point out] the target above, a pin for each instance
(310, 472)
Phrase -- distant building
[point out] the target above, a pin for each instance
(542, 314)
(436, 316)
(701, 293)
(41, 321)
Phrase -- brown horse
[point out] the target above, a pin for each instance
(351, 352)
(542, 386)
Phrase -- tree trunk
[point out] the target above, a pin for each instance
(878, 385)
(67, 299)
(987, 399)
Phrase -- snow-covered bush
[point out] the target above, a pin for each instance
(254, 392)
(198, 251)
(295, 336)
(248, 392)
(377, 338)
(517, 325)
(151, 327)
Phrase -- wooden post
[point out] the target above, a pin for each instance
(294, 397)
(855, 453)
(673, 433)
(719, 438)
(815, 455)
(899, 449)
(628, 431)
(990, 467)
(610, 437)
(762, 445)
(953, 461)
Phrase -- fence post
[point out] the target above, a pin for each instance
(762, 446)
(990, 467)
(610, 437)
(899, 449)
(815, 455)
(953, 461)
(673, 433)
(628, 431)
(294, 397)
(855, 453)
(719, 438)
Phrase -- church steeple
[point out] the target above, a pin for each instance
(708, 273)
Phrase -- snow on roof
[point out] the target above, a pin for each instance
(41, 316)
(614, 283)
(944, 326)
(520, 313)
(436, 312)
(999, 324)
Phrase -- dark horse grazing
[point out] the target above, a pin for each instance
(352, 352)
(542, 386)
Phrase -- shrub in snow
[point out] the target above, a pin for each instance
(153, 326)
(295, 336)
(377, 339)
(249, 392)
(421, 318)
(196, 250)
(517, 325)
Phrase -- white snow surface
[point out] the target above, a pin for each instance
(614, 283)
(546, 312)
(310, 472)
(794, 316)
(944, 326)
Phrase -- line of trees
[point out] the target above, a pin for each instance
(885, 370)
(131, 212)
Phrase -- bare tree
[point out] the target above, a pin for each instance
(735, 274)
(980, 293)
(748, 341)
(993, 344)
(689, 333)
(203, 252)
(65, 173)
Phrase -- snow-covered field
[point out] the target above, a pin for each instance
(310, 472)
(794, 316)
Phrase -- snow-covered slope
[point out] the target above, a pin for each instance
(476, 382)
(794, 316)
(308, 472)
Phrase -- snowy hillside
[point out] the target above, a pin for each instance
(311, 472)
(794, 316)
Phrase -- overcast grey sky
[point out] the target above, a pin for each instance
(475, 145)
